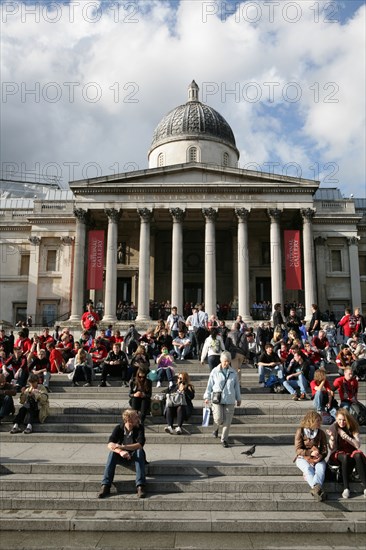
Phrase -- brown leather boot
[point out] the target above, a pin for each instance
(105, 490)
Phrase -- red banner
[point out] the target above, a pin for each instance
(95, 260)
(293, 260)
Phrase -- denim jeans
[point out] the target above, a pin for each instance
(314, 473)
(320, 400)
(165, 373)
(182, 353)
(294, 383)
(138, 457)
(6, 406)
(267, 371)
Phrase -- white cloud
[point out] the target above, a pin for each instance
(142, 66)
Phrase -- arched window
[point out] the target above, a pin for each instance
(160, 159)
(225, 160)
(192, 154)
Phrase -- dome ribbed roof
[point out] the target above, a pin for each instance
(193, 120)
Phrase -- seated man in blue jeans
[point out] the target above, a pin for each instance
(126, 444)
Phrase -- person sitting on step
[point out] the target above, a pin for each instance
(182, 411)
(311, 450)
(344, 443)
(34, 401)
(322, 393)
(115, 364)
(269, 363)
(296, 375)
(83, 368)
(165, 367)
(7, 392)
(182, 345)
(126, 445)
(140, 394)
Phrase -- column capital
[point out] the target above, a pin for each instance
(177, 214)
(274, 214)
(145, 214)
(113, 214)
(35, 240)
(353, 240)
(242, 214)
(210, 214)
(308, 214)
(81, 215)
(66, 240)
(320, 241)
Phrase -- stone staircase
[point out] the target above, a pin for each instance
(200, 495)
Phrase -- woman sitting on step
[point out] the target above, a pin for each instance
(34, 401)
(140, 394)
(311, 451)
(183, 393)
(83, 368)
(344, 443)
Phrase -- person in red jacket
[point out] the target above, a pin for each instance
(347, 387)
(56, 359)
(347, 324)
(90, 320)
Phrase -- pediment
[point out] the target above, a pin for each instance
(194, 176)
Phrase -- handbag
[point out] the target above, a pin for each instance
(175, 399)
(216, 395)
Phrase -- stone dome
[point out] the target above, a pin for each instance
(193, 121)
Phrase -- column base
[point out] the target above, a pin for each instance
(247, 318)
(143, 318)
(109, 319)
(73, 319)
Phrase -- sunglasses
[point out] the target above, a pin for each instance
(141, 376)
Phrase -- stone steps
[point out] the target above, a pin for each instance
(207, 521)
(49, 479)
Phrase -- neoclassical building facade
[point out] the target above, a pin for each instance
(193, 227)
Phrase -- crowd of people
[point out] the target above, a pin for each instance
(290, 355)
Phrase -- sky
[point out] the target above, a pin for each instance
(85, 83)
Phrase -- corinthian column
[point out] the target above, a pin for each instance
(354, 266)
(77, 297)
(309, 261)
(210, 215)
(144, 263)
(177, 258)
(110, 299)
(243, 264)
(276, 262)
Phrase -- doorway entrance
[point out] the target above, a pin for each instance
(193, 292)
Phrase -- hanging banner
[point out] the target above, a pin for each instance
(293, 260)
(95, 260)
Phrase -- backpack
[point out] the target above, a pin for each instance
(358, 411)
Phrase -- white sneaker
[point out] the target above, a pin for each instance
(364, 493)
(170, 384)
(178, 430)
(346, 493)
(158, 385)
(169, 430)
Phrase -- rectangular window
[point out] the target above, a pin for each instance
(336, 257)
(24, 264)
(363, 266)
(51, 260)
